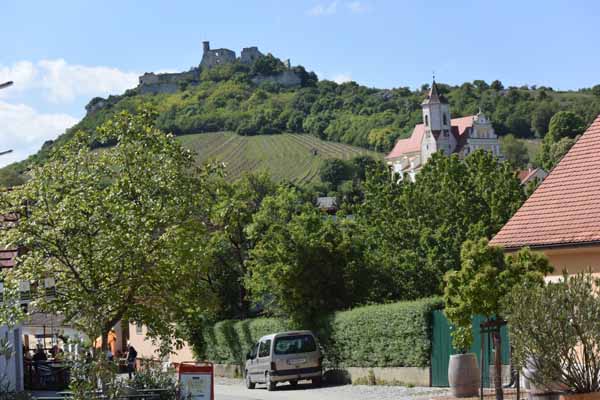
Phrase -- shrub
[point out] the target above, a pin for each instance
(153, 377)
(390, 335)
(555, 331)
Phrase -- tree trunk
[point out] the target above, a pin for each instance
(498, 365)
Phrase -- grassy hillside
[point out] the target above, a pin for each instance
(226, 98)
(293, 157)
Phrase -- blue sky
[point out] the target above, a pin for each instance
(62, 53)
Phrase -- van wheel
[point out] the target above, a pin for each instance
(249, 384)
(317, 382)
(269, 382)
(294, 383)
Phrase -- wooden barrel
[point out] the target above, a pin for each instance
(464, 375)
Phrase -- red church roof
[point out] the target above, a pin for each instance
(413, 144)
(565, 208)
(410, 145)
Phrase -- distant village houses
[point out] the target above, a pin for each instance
(439, 132)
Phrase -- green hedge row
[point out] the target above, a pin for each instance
(390, 335)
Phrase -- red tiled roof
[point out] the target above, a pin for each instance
(565, 208)
(410, 145)
(463, 124)
(413, 143)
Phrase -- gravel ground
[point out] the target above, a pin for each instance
(231, 389)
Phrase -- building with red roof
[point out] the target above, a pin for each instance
(440, 132)
(562, 217)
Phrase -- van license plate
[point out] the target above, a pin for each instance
(296, 361)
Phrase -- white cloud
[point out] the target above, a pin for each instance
(61, 82)
(356, 7)
(24, 130)
(341, 78)
(323, 9)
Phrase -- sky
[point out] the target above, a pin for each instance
(62, 53)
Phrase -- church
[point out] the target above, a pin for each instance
(440, 132)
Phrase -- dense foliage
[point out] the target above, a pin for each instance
(102, 225)
(555, 332)
(485, 278)
(414, 231)
(226, 99)
(564, 129)
(305, 265)
(391, 335)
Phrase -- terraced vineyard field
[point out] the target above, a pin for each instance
(287, 156)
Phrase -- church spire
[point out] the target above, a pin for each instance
(434, 95)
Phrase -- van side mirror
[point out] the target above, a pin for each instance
(249, 355)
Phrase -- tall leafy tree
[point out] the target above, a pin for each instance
(514, 151)
(101, 223)
(305, 265)
(485, 279)
(564, 129)
(414, 231)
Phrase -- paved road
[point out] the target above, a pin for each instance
(234, 390)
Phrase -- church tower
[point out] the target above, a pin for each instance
(437, 122)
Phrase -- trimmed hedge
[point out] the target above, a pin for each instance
(389, 335)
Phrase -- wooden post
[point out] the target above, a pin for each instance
(498, 364)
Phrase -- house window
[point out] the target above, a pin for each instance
(138, 329)
(426, 120)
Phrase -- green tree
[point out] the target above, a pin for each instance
(484, 280)
(596, 90)
(565, 124)
(100, 223)
(552, 152)
(304, 266)
(497, 85)
(414, 231)
(514, 151)
(267, 65)
(541, 116)
(334, 171)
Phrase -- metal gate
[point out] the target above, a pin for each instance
(441, 348)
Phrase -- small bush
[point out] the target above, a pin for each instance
(153, 377)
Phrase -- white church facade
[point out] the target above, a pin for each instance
(439, 132)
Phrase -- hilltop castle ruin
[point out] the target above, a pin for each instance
(151, 83)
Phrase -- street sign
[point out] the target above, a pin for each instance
(196, 381)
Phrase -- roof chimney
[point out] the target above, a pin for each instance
(206, 45)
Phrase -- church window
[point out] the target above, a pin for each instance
(426, 120)
(445, 119)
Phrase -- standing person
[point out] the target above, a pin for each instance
(131, 357)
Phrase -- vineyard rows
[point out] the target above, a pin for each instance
(292, 157)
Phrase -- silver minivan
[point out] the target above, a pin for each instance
(284, 357)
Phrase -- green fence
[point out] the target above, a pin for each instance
(441, 348)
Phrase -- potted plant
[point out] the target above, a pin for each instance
(478, 288)
(555, 331)
(464, 375)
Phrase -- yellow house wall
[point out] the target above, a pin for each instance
(146, 350)
(574, 260)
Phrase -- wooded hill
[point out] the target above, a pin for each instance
(225, 99)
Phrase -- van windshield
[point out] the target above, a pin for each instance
(295, 344)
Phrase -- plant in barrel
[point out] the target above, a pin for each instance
(478, 288)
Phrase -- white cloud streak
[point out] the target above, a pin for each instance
(342, 78)
(356, 7)
(61, 82)
(322, 9)
(24, 130)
